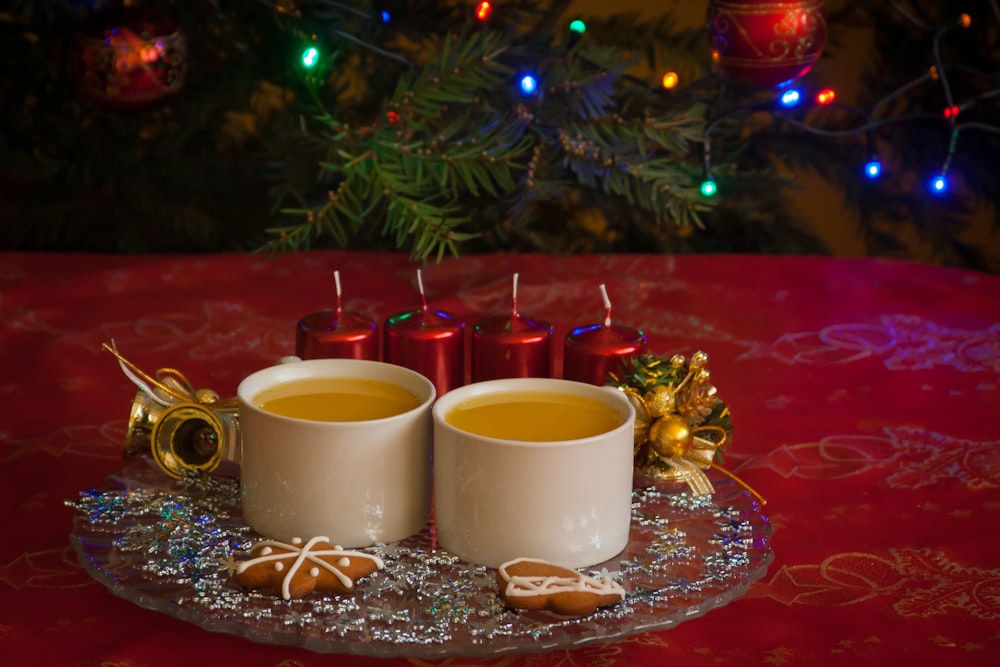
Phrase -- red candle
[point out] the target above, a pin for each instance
(514, 346)
(430, 342)
(593, 351)
(335, 334)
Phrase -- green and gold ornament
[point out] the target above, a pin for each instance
(681, 425)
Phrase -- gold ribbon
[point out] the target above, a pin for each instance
(171, 383)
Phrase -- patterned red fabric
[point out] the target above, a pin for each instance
(864, 395)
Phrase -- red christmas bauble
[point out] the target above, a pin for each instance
(766, 42)
(130, 61)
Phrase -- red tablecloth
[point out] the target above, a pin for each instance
(864, 396)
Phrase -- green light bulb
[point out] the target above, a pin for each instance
(578, 26)
(310, 56)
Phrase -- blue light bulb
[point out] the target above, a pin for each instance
(529, 84)
(386, 16)
(873, 169)
(790, 97)
(938, 184)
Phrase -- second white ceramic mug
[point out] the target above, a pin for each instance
(567, 502)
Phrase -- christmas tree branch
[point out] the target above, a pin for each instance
(451, 139)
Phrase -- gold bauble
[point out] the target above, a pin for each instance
(670, 436)
(660, 401)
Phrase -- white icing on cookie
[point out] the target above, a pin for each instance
(532, 586)
(303, 554)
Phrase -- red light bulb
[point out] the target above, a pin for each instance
(826, 96)
(483, 10)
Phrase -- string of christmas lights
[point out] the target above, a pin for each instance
(467, 124)
(788, 98)
(789, 102)
(795, 97)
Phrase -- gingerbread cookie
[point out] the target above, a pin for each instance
(297, 569)
(527, 583)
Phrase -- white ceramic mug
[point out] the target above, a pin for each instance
(356, 482)
(566, 501)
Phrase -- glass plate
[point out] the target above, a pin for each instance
(165, 544)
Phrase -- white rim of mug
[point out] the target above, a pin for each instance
(557, 386)
(247, 401)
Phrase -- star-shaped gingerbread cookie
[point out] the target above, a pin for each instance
(298, 569)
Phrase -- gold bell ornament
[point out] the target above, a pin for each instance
(680, 423)
(186, 430)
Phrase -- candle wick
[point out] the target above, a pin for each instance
(514, 299)
(336, 280)
(420, 286)
(607, 306)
